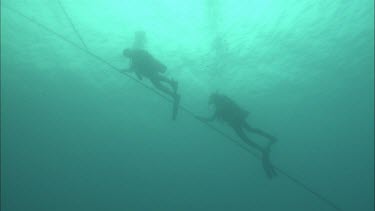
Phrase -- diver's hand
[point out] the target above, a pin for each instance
(125, 70)
(139, 76)
(206, 119)
(201, 118)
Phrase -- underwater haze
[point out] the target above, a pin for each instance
(77, 135)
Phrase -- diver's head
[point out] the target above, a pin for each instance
(127, 52)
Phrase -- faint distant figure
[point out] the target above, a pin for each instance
(145, 65)
(140, 40)
(229, 112)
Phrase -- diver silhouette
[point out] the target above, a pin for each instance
(143, 64)
(229, 112)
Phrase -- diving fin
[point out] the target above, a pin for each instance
(267, 165)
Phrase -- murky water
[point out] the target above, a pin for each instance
(79, 135)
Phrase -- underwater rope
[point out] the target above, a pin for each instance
(71, 23)
(283, 172)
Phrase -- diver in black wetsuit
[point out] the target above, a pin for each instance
(229, 112)
(145, 65)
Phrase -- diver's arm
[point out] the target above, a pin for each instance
(134, 69)
(126, 70)
(130, 69)
(138, 75)
(206, 119)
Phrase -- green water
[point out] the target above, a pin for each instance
(77, 135)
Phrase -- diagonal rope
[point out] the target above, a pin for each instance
(71, 24)
(283, 172)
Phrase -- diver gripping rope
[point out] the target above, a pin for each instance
(283, 172)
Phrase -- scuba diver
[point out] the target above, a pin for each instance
(228, 111)
(145, 65)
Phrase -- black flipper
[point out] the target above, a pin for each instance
(176, 105)
(267, 165)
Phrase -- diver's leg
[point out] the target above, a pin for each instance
(171, 82)
(271, 138)
(176, 97)
(243, 136)
(162, 88)
(266, 163)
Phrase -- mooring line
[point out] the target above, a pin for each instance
(283, 172)
(71, 24)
